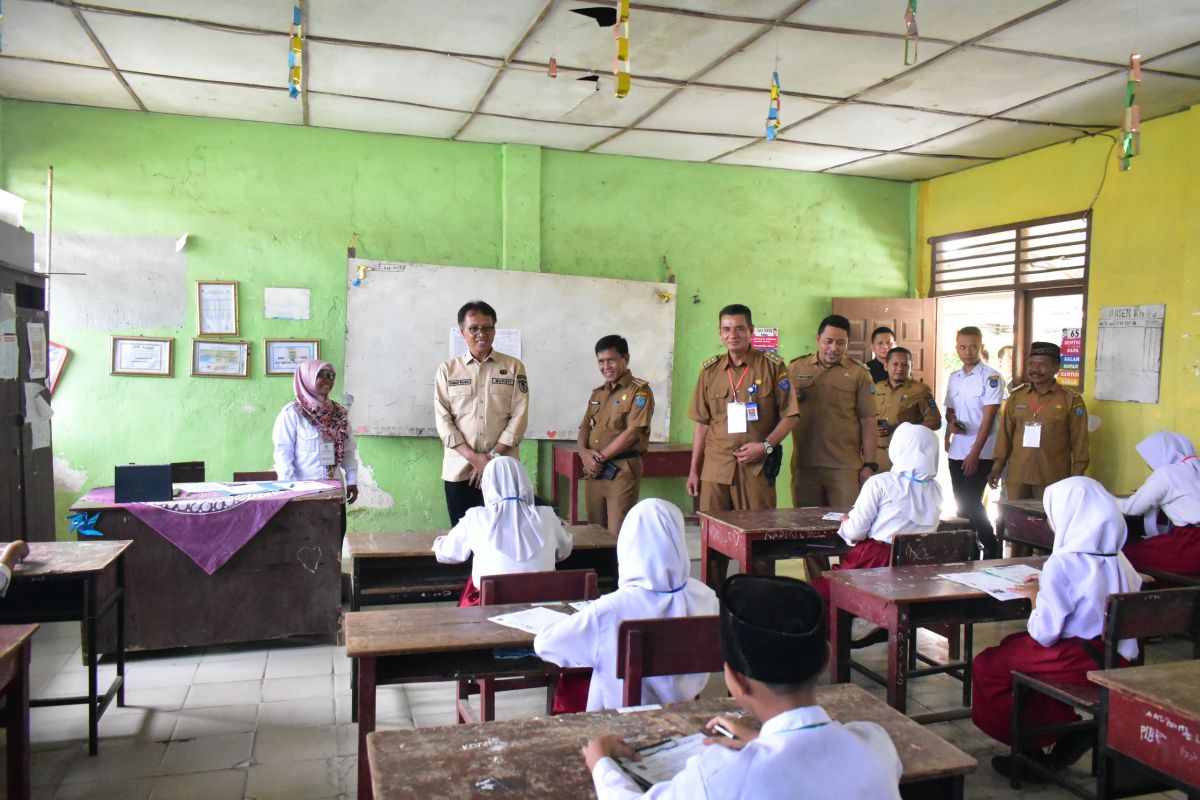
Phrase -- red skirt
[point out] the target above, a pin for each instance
(864, 555)
(1178, 551)
(572, 694)
(470, 594)
(992, 683)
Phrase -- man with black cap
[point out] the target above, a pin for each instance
(774, 645)
(1043, 434)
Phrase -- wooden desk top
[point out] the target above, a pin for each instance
(50, 559)
(1175, 685)
(433, 629)
(921, 583)
(11, 639)
(539, 758)
(417, 544)
(1033, 508)
(775, 520)
(88, 505)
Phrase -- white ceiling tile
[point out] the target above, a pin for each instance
(56, 83)
(521, 131)
(1185, 61)
(1106, 30)
(378, 116)
(900, 167)
(199, 99)
(831, 64)
(1102, 103)
(756, 9)
(704, 110)
(461, 26)
(789, 155)
(994, 138)
(660, 44)
(47, 31)
(982, 82)
(163, 47)
(441, 81)
(674, 146)
(957, 20)
(873, 127)
(275, 15)
(532, 94)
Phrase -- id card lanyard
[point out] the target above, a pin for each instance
(736, 413)
(1033, 430)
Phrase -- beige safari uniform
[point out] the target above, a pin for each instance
(726, 484)
(482, 403)
(911, 402)
(827, 456)
(628, 404)
(1062, 451)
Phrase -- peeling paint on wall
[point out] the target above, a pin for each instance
(66, 477)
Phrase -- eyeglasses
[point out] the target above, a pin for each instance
(486, 330)
(327, 374)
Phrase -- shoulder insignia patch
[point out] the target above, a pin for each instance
(523, 384)
(859, 363)
(801, 358)
(1020, 387)
(993, 380)
(711, 361)
(640, 401)
(1079, 412)
(774, 358)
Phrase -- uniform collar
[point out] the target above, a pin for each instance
(1054, 386)
(624, 380)
(751, 355)
(844, 363)
(796, 718)
(468, 357)
(903, 385)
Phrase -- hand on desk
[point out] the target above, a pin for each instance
(743, 733)
(1027, 589)
(14, 552)
(607, 746)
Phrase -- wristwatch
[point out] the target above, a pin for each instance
(874, 465)
(494, 454)
(770, 447)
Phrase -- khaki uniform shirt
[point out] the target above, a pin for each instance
(832, 401)
(628, 404)
(481, 403)
(767, 375)
(911, 402)
(1063, 449)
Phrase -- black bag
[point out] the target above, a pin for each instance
(608, 471)
(773, 463)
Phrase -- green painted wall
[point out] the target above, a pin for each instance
(274, 205)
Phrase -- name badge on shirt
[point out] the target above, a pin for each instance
(1033, 435)
(328, 454)
(735, 418)
(752, 412)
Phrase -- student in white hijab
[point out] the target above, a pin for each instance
(1172, 490)
(507, 534)
(1064, 637)
(653, 566)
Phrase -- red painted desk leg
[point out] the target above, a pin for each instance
(897, 624)
(16, 723)
(366, 722)
(713, 563)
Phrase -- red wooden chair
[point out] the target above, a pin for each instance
(522, 587)
(673, 646)
(264, 475)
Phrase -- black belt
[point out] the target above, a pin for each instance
(625, 455)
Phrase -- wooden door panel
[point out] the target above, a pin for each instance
(913, 320)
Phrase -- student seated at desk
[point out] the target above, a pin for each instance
(13, 552)
(312, 433)
(774, 644)
(508, 533)
(1064, 638)
(653, 566)
(1173, 489)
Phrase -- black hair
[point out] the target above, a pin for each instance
(613, 342)
(737, 309)
(479, 307)
(903, 350)
(970, 330)
(836, 321)
(881, 329)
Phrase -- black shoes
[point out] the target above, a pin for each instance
(1004, 765)
(1071, 747)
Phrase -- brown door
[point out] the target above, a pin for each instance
(913, 320)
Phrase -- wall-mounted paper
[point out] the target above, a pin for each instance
(37, 349)
(1129, 353)
(281, 303)
(37, 414)
(508, 341)
(8, 336)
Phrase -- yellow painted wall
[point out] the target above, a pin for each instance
(1145, 249)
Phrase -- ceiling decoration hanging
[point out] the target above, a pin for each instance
(621, 73)
(1131, 131)
(295, 53)
(773, 118)
(910, 33)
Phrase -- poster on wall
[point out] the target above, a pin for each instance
(1129, 353)
(765, 339)
(1072, 350)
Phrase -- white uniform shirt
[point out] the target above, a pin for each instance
(1171, 496)
(5, 578)
(800, 754)
(298, 449)
(878, 515)
(468, 537)
(967, 393)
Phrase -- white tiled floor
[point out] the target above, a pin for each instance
(274, 722)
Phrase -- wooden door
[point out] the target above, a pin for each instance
(913, 320)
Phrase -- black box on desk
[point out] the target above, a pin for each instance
(187, 472)
(142, 483)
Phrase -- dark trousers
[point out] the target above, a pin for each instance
(968, 494)
(461, 495)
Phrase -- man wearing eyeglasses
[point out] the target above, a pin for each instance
(481, 402)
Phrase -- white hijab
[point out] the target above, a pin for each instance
(651, 555)
(509, 519)
(1086, 565)
(1175, 456)
(914, 454)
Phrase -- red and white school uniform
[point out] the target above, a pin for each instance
(1173, 489)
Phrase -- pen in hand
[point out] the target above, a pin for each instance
(721, 729)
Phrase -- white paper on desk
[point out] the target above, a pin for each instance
(300, 486)
(662, 762)
(833, 516)
(202, 488)
(37, 349)
(533, 620)
(580, 605)
(250, 488)
(996, 581)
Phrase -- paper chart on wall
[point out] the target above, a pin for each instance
(37, 414)
(1129, 353)
(8, 336)
(37, 349)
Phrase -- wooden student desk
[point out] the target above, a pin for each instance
(1150, 719)
(902, 599)
(399, 567)
(756, 539)
(14, 685)
(82, 581)
(286, 581)
(1024, 522)
(661, 460)
(539, 758)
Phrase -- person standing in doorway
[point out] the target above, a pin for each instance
(883, 339)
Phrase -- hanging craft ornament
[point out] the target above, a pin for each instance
(621, 72)
(294, 55)
(773, 120)
(1131, 132)
(910, 33)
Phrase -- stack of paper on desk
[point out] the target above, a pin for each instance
(532, 620)
(663, 761)
(996, 581)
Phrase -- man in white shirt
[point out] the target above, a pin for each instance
(972, 402)
(774, 645)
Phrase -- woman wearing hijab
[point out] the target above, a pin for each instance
(1172, 490)
(507, 534)
(653, 565)
(1064, 636)
(312, 433)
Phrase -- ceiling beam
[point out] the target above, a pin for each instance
(116, 73)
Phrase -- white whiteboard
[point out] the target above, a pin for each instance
(399, 317)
